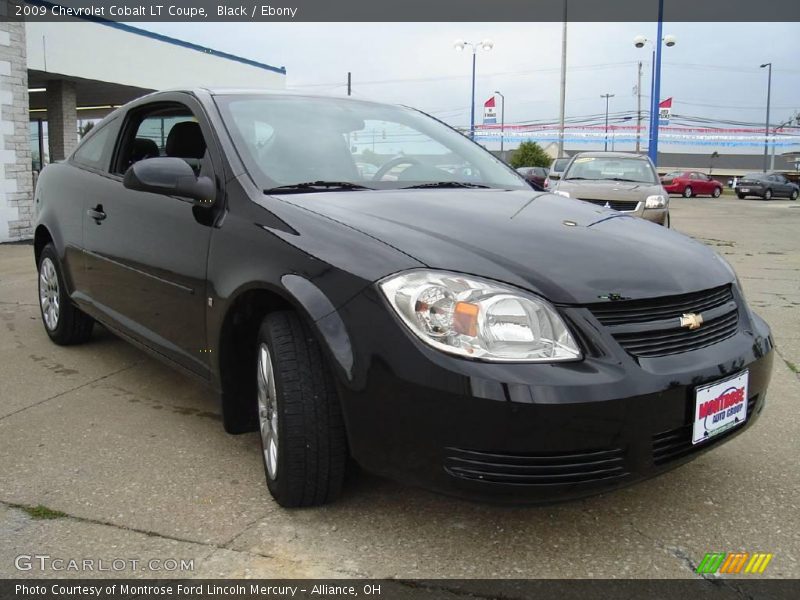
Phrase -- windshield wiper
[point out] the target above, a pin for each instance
(573, 178)
(317, 186)
(623, 179)
(444, 184)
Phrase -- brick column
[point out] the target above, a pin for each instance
(62, 118)
(16, 186)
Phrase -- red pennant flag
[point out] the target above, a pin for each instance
(489, 103)
(665, 103)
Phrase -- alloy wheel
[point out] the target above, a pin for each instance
(49, 297)
(268, 410)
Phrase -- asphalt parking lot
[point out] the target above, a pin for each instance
(127, 459)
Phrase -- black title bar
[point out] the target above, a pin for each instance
(706, 11)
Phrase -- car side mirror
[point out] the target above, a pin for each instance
(554, 176)
(169, 176)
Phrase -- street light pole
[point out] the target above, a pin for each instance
(472, 103)
(606, 96)
(766, 126)
(502, 123)
(653, 151)
(485, 45)
(639, 109)
(563, 95)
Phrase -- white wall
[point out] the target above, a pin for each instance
(100, 52)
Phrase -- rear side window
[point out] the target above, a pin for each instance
(95, 152)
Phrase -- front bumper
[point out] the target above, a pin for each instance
(531, 433)
(673, 188)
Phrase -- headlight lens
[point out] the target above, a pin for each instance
(659, 201)
(479, 319)
(560, 193)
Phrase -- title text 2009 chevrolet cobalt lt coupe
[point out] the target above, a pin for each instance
(433, 318)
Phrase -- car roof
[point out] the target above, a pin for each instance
(599, 154)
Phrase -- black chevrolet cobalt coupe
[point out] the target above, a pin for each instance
(360, 281)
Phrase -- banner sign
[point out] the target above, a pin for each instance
(489, 112)
(664, 110)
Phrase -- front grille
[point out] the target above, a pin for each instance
(677, 443)
(543, 469)
(621, 205)
(652, 327)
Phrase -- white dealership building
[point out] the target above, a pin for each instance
(54, 74)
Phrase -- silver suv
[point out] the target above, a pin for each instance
(621, 181)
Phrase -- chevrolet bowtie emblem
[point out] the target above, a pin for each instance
(691, 320)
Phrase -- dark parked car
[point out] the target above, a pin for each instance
(535, 176)
(691, 183)
(766, 186)
(456, 331)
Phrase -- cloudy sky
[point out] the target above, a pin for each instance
(713, 71)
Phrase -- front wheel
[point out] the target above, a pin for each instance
(793, 195)
(717, 192)
(303, 439)
(63, 321)
(741, 196)
(687, 192)
(768, 195)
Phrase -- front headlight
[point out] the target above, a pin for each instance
(477, 318)
(659, 201)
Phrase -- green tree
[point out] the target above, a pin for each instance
(530, 154)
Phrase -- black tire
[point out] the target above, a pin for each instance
(667, 222)
(687, 192)
(72, 326)
(741, 196)
(312, 445)
(717, 192)
(768, 194)
(793, 195)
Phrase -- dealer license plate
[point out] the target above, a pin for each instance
(744, 190)
(719, 407)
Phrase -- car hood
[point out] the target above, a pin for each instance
(567, 251)
(609, 190)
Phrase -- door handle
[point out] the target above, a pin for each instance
(97, 213)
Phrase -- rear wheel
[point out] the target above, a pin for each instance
(717, 192)
(793, 195)
(63, 321)
(768, 195)
(741, 196)
(302, 432)
(687, 192)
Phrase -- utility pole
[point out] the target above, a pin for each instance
(563, 97)
(502, 124)
(606, 96)
(766, 127)
(349, 82)
(639, 109)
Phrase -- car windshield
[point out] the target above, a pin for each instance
(559, 165)
(611, 168)
(319, 144)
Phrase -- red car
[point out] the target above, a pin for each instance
(691, 183)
